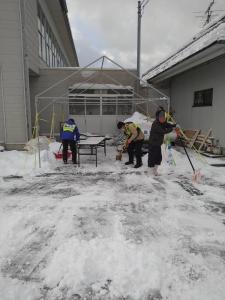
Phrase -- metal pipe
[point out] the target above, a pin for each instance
(128, 89)
(3, 107)
(116, 81)
(138, 101)
(24, 66)
(37, 131)
(91, 77)
(71, 75)
(168, 105)
(139, 38)
(134, 76)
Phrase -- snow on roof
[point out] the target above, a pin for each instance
(99, 86)
(213, 32)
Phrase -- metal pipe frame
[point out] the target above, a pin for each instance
(146, 83)
(103, 58)
(3, 106)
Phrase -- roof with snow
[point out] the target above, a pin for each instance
(100, 86)
(213, 33)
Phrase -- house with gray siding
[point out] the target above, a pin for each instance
(194, 78)
(34, 34)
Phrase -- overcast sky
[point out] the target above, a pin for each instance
(109, 27)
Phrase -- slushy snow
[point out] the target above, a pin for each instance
(110, 232)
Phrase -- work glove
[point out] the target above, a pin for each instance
(124, 148)
(125, 145)
(177, 130)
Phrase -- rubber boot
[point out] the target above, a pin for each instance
(139, 163)
(155, 170)
(129, 163)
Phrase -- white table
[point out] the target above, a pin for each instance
(91, 143)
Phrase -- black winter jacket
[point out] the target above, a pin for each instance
(158, 130)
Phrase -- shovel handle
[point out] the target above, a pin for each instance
(187, 155)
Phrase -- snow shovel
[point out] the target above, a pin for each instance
(120, 150)
(197, 174)
(119, 153)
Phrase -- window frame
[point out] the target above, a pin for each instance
(204, 94)
(48, 47)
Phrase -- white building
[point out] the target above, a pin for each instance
(194, 78)
(34, 34)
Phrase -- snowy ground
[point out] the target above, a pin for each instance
(110, 232)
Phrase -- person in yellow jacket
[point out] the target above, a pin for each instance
(133, 142)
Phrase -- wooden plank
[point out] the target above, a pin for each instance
(204, 140)
(202, 136)
(211, 155)
(194, 138)
(190, 133)
(201, 140)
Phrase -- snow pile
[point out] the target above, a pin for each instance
(18, 163)
(55, 147)
(18, 290)
(144, 122)
(42, 143)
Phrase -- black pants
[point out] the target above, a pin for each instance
(73, 148)
(154, 156)
(134, 148)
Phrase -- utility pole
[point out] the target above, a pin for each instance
(141, 6)
(209, 12)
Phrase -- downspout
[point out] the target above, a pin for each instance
(3, 106)
(25, 70)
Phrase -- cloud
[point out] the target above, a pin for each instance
(109, 27)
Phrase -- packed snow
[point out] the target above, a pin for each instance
(110, 232)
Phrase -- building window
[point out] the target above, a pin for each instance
(91, 100)
(49, 49)
(203, 98)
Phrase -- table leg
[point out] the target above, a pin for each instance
(78, 153)
(105, 147)
(96, 154)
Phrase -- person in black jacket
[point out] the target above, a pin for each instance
(159, 128)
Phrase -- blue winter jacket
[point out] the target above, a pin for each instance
(70, 131)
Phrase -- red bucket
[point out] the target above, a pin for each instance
(59, 155)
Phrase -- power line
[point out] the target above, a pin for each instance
(209, 13)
